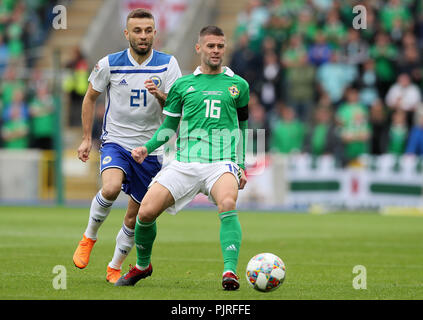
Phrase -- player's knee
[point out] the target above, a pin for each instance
(130, 221)
(226, 204)
(111, 191)
(147, 213)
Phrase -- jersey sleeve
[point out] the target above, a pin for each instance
(100, 75)
(174, 72)
(244, 94)
(173, 106)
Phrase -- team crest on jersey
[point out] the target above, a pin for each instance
(156, 80)
(107, 159)
(233, 91)
(96, 67)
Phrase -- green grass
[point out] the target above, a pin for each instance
(320, 252)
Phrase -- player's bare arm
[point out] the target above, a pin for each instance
(87, 116)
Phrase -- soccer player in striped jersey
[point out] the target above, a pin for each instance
(136, 82)
(211, 108)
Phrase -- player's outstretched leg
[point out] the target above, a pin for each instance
(99, 210)
(125, 241)
(230, 242)
(225, 193)
(145, 234)
(157, 199)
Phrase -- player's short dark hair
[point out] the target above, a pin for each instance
(211, 30)
(140, 13)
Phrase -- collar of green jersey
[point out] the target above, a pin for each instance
(228, 71)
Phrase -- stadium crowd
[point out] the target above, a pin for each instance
(317, 84)
(26, 105)
(320, 86)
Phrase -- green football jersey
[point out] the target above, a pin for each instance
(207, 104)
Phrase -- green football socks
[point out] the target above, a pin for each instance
(145, 234)
(230, 239)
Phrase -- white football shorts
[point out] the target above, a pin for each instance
(185, 180)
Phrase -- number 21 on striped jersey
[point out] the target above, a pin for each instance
(212, 110)
(136, 96)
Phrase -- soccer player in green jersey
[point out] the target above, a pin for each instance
(211, 108)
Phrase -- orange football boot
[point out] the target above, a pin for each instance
(113, 275)
(81, 257)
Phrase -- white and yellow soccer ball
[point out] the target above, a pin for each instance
(265, 272)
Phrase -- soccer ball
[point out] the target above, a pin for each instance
(265, 272)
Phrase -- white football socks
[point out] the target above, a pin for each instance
(125, 240)
(100, 209)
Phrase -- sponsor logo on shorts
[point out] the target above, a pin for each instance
(107, 159)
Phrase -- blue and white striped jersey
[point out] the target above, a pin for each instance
(132, 114)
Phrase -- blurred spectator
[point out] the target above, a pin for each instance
(372, 22)
(404, 95)
(15, 130)
(295, 53)
(334, 77)
(334, 29)
(10, 84)
(345, 10)
(252, 21)
(384, 53)
(324, 101)
(76, 84)
(270, 81)
(291, 8)
(354, 128)
(14, 33)
(245, 62)
(278, 24)
(395, 15)
(409, 40)
(320, 51)
(415, 140)
(354, 50)
(36, 81)
(411, 63)
(288, 134)
(269, 45)
(321, 138)
(322, 6)
(4, 55)
(300, 77)
(398, 133)
(367, 84)
(257, 120)
(379, 128)
(305, 25)
(41, 110)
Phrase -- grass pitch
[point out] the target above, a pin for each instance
(320, 253)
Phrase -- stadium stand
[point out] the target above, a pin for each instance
(318, 86)
(323, 59)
